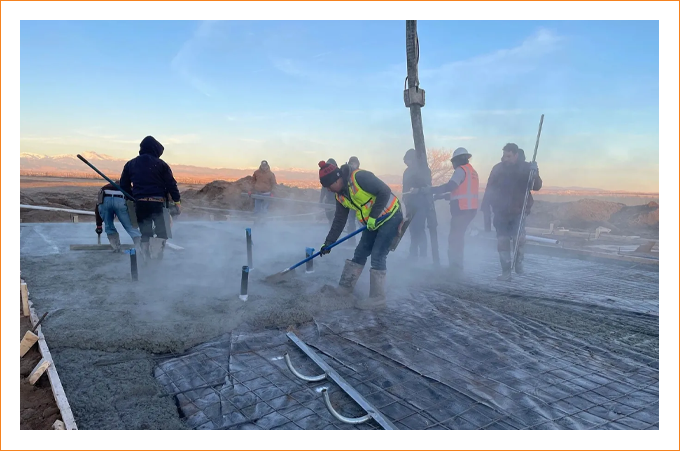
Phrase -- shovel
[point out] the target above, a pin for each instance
(278, 277)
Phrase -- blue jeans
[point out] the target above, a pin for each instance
(261, 205)
(377, 243)
(115, 206)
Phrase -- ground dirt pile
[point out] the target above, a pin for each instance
(229, 196)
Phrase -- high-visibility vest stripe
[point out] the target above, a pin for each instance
(467, 193)
(362, 202)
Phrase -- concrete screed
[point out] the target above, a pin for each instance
(572, 345)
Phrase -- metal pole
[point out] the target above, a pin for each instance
(530, 184)
(414, 98)
(309, 268)
(244, 283)
(133, 264)
(249, 247)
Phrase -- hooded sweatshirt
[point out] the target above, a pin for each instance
(147, 175)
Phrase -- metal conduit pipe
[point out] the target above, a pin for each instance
(540, 239)
(300, 375)
(344, 419)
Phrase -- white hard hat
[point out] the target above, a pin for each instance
(460, 151)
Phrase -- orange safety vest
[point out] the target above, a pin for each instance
(467, 192)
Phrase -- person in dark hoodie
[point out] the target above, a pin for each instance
(149, 179)
(505, 190)
(361, 193)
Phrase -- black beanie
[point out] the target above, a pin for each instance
(328, 173)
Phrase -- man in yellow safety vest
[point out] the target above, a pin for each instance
(375, 206)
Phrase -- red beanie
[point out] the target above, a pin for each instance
(328, 173)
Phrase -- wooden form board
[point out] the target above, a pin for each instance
(27, 342)
(24, 299)
(55, 382)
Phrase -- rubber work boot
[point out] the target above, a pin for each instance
(505, 266)
(156, 246)
(114, 240)
(376, 296)
(350, 276)
(145, 250)
(519, 260)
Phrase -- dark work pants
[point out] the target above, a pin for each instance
(150, 215)
(506, 232)
(423, 213)
(377, 243)
(460, 219)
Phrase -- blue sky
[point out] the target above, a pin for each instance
(230, 93)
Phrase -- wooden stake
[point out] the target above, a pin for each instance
(28, 341)
(38, 371)
(24, 299)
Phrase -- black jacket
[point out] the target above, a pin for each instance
(147, 175)
(506, 188)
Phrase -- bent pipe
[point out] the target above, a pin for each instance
(344, 419)
(300, 375)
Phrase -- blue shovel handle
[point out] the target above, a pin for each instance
(356, 232)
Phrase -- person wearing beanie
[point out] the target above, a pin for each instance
(149, 180)
(353, 163)
(505, 190)
(364, 195)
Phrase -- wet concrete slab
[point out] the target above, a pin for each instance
(571, 345)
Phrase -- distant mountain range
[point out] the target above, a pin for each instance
(71, 166)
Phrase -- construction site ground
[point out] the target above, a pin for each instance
(572, 344)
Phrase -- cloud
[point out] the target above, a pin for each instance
(310, 71)
(515, 60)
(184, 62)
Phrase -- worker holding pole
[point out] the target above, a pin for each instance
(508, 191)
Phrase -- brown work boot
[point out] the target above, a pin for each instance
(350, 276)
(376, 297)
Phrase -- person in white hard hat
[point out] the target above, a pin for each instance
(463, 192)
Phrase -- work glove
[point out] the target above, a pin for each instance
(324, 250)
(445, 196)
(534, 166)
(98, 230)
(371, 225)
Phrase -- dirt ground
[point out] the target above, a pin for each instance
(38, 409)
